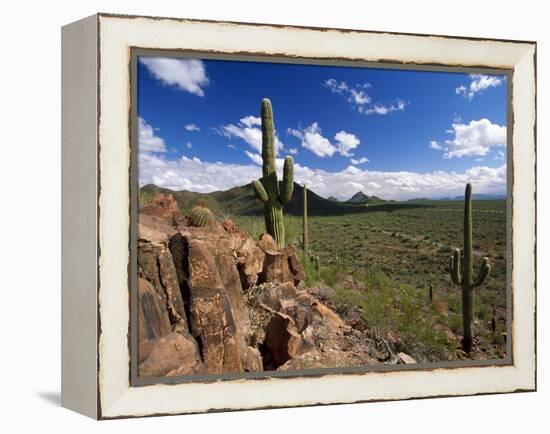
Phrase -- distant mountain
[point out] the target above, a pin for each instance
(332, 198)
(362, 198)
(480, 196)
(242, 201)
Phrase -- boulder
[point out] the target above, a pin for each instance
(171, 355)
(162, 205)
(154, 229)
(405, 359)
(284, 341)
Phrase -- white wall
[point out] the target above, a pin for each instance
(30, 214)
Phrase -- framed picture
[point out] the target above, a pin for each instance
(260, 216)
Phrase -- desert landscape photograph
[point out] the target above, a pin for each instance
(295, 217)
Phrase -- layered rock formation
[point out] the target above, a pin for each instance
(213, 300)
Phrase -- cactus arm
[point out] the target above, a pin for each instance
(260, 191)
(454, 268)
(483, 273)
(288, 181)
(268, 138)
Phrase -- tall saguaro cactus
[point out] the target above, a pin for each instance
(463, 274)
(306, 236)
(267, 189)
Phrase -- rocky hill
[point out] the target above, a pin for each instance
(213, 300)
(242, 201)
(362, 198)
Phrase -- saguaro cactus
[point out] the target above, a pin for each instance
(463, 274)
(267, 189)
(306, 236)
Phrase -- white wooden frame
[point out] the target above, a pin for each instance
(96, 218)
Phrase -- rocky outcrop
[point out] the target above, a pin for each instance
(156, 266)
(213, 300)
(162, 205)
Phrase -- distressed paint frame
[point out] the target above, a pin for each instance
(116, 35)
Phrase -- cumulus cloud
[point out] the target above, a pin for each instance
(189, 145)
(148, 141)
(293, 151)
(191, 127)
(188, 75)
(345, 142)
(195, 175)
(478, 83)
(248, 129)
(473, 139)
(312, 139)
(360, 99)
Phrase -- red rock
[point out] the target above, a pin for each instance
(153, 320)
(283, 340)
(162, 205)
(171, 355)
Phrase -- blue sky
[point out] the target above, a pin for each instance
(394, 133)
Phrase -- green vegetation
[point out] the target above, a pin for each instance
(464, 275)
(267, 189)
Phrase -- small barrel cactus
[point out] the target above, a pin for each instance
(200, 217)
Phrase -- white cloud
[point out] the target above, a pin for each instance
(192, 127)
(248, 129)
(230, 146)
(148, 141)
(354, 94)
(293, 151)
(189, 145)
(478, 83)
(361, 160)
(345, 142)
(196, 175)
(313, 140)
(256, 158)
(184, 74)
(381, 109)
(361, 100)
(251, 121)
(473, 139)
(435, 145)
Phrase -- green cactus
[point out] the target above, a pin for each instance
(306, 236)
(267, 189)
(463, 274)
(200, 216)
